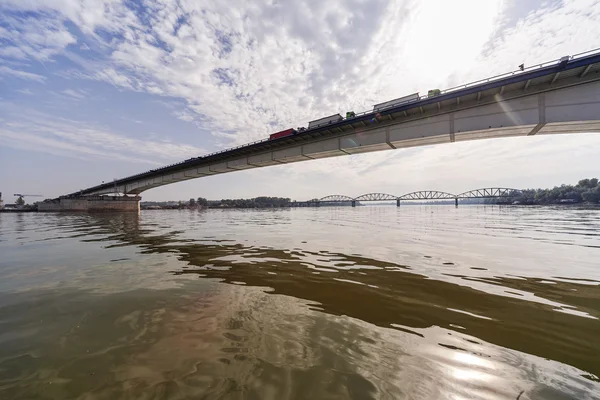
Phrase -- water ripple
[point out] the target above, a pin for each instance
(372, 302)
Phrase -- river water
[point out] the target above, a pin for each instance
(416, 302)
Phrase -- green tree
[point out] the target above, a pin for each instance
(201, 201)
(20, 201)
(588, 183)
(192, 203)
(592, 195)
(584, 183)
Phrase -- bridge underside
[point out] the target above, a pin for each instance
(545, 105)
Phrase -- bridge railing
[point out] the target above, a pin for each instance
(517, 72)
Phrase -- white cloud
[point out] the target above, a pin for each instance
(135, 121)
(89, 15)
(34, 38)
(545, 34)
(12, 52)
(21, 74)
(185, 115)
(25, 91)
(258, 67)
(40, 143)
(45, 133)
(247, 69)
(75, 94)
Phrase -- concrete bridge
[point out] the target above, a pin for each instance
(561, 96)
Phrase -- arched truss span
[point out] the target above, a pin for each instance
(336, 198)
(488, 193)
(376, 197)
(428, 195)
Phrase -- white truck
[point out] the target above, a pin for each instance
(325, 121)
(396, 102)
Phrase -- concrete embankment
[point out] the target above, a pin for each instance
(92, 204)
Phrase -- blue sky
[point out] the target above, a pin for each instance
(92, 90)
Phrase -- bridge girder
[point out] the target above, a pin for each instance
(428, 195)
(486, 193)
(336, 198)
(376, 197)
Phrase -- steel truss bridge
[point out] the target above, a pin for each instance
(423, 195)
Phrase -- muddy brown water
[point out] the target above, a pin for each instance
(417, 302)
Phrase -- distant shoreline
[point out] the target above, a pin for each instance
(583, 206)
(406, 204)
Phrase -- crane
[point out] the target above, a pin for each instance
(20, 196)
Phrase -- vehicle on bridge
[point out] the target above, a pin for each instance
(332, 119)
(281, 134)
(377, 108)
(312, 124)
(396, 102)
(325, 121)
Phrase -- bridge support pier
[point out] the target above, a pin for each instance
(397, 202)
(353, 203)
(456, 202)
(93, 204)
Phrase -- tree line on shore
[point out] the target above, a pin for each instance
(201, 202)
(586, 190)
(257, 202)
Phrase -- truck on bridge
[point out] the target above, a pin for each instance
(281, 134)
(325, 121)
(396, 102)
(332, 119)
(312, 124)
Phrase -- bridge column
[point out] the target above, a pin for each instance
(456, 202)
(353, 203)
(397, 202)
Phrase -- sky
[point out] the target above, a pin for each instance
(93, 90)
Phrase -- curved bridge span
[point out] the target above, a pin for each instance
(487, 193)
(562, 96)
(427, 195)
(375, 197)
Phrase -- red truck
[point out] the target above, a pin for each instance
(281, 134)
